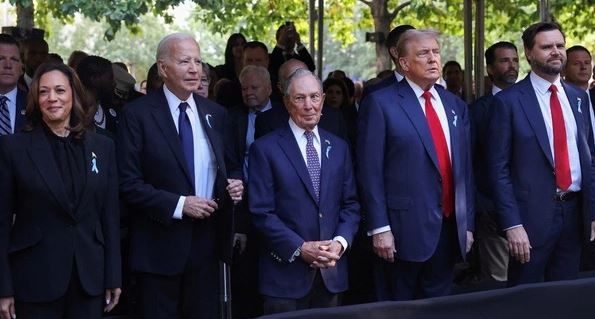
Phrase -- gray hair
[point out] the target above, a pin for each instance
(413, 34)
(259, 71)
(164, 45)
(297, 74)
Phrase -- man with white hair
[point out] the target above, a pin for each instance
(174, 179)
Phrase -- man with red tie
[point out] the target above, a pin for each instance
(539, 164)
(416, 179)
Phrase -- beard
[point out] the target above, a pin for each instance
(547, 68)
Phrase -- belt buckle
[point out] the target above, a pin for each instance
(561, 196)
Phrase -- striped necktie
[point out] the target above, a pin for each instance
(5, 127)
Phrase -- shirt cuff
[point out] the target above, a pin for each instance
(342, 241)
(179, 207)
(378, 230)
(515, 226)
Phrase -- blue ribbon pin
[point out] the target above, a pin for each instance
(328, 148)
(579, 101)
(208, 118)
(94, 168)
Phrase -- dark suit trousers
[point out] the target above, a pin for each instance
(559, 257)
(431, 278)
(75, 304)
(319, 297)
(192, 294)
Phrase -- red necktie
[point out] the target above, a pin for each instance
(561, 161)
(448, 205)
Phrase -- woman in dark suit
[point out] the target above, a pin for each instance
(59, 219)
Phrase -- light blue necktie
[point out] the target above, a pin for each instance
(313, 163)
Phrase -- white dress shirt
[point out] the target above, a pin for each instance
(250, 130)
(205, 165)
(300, 138)
(541, 88)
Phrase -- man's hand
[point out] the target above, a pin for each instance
(469, 242)
(112, 296)
(197, 207)
(384, 245)
(7, 308)
(318, 254)
(518, 244)
(235, 188)
(335, 248)
(592, 230)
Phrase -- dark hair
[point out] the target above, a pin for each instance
(350, 86)
(75, 58)
(54, 58)
(256, 44)
(97, 76)
(532, 31)
(393, 37)
(80, 115)
(490, 53)
(451, 63)
(341, 84)
(229, 49)
(576, 48)
(154, 81)
(8, 39)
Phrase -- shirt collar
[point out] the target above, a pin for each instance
(398, 76)
(11, 95)
(542, 85)
(419, 91)
(495, 90)
(174, 102)
(298, 132)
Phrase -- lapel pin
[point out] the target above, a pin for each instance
(328, 150)
(23, 112)
(94, 168)
(112, 112)
(579, 101)
(208, 119)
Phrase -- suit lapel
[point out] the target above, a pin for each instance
(42, 156)
(92, 168)
(20, 116)
(208, 124)
(530, 105)
(325, 164)
(453, 120)
(291, 149)
(410, 105)
(162, 116)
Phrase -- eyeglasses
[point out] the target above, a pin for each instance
(300, 99)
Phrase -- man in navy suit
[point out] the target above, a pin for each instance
(12, 100)
(416, 176)
(502, 65)
(174, 179)
(303, 202)
(332, 120)
(540, 166)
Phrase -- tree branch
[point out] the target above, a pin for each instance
(400, 7)
(368, 3)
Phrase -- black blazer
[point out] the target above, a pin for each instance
(37, 249)
(153, 175)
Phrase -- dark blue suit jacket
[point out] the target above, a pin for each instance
(49, 235)
(153, 175)
(21, 106)
(399, 172)
(520, 165)
(479, 111)
(285, 213)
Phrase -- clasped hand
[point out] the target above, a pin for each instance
(321, 254)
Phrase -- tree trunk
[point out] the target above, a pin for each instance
(382, 22)
(25, 18)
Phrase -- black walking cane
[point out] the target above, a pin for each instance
(226, 235)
